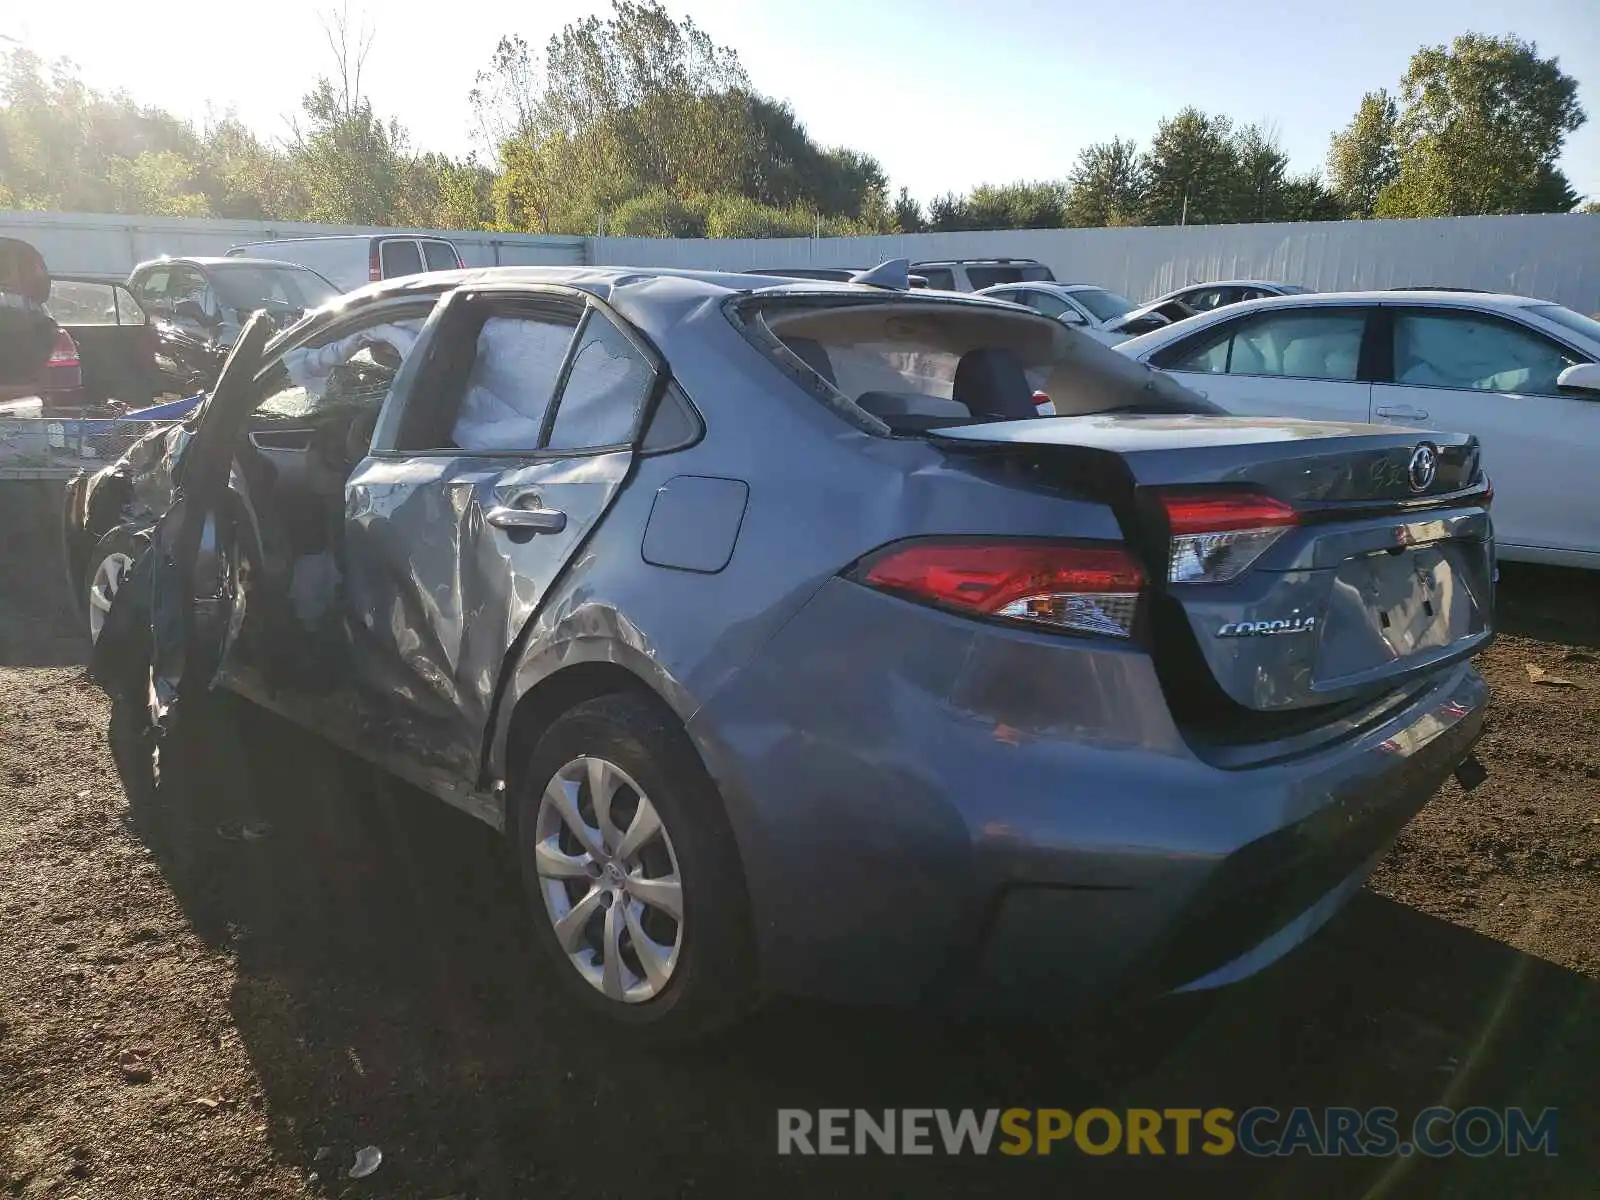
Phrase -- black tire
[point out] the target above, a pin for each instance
(120, 540)
(714, 982)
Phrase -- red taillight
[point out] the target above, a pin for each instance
(1087, 589)
(1219, 512)
(374, 262)
(65, 351)
(1217, 535)
(1488, 491)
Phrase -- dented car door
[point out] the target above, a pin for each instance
(510, 441)
(169, 627)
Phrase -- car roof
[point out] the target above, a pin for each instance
(213, 260)
(1044, 285)
(1391, 296)
(653, 298)
(351, 237)
(964, 262)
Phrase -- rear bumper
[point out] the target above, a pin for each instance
(931, 807)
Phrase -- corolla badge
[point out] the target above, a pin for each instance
(1267, 628)
(1423, 467)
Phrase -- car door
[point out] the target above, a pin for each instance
(315, 405)
(1284, 362)
(114, 339)
(1486, 374)
(504, 453)
(173, 622)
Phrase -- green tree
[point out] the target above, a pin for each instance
(638, 104)
(908, 213)
(1191, 170)
(1307, 198)
(660, 214)
(1106, 185)
(246, 177)
(1259, 176)
(1363, 158)
(1481, 125)
(348, 160)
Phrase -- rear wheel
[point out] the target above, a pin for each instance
(631, 872)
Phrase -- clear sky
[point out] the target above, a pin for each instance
(946, 93)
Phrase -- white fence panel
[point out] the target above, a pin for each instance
(1556, 257)
(104, 244)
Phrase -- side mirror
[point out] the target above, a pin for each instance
(190, 310)
(1071, 317)
(1580, 377)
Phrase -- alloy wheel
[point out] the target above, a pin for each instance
(608, 875)
(103, 589)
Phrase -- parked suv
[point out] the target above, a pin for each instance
(975, 274)
(790, 650)
(352, 261)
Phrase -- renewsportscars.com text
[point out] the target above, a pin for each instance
(1259, 1132)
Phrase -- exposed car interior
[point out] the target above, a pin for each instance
(313, 423)
(921, 366)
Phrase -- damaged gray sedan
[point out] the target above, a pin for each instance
(793, 651)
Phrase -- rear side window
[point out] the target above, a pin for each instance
(400, 257)
(938, 277)
(1037, 273)
(1208, 298)
(1476, 353)
(440, 256)
(606, 388)
(1306, 344)
(1050, 306)
(80, 302)
(982, 277)
(514, 374)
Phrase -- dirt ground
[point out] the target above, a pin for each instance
(186, 1016)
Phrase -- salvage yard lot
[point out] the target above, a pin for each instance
(182, 1015)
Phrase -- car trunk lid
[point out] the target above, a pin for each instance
(1367, 558)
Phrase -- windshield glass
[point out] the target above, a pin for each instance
(1103, 304)
(1586, 327)
(276, 288)
(907, 357)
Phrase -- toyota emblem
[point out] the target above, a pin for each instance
(1423, 467)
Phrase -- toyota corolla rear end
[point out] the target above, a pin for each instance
(1151, 749)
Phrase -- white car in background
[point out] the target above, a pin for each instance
(1103, 315)
(1521, 374)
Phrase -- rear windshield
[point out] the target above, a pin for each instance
(907, 360)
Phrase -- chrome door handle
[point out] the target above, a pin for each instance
(1404, 412)
(530, 520)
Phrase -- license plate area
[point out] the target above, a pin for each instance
(1388, 611)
